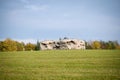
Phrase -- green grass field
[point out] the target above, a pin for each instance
(60, 65)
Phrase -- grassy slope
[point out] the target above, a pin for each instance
(60, 65)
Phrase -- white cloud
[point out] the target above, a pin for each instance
(23, 40)
(24, 1)
(28, 8)
(36, 7)
(26, 40)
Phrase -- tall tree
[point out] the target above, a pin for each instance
(37, 45)
(103, 45)
(110, 45)
(88, 45)
(116, 44)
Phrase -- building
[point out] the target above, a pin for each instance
(62, 44)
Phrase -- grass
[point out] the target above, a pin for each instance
(60, 65)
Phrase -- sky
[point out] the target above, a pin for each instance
(32, 20)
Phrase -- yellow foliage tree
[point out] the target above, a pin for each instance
(96, 45)
(9, 45)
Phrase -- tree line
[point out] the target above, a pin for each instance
(102, 45)
(12, 45)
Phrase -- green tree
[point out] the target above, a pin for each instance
(88, 45)
(103, 45)
(20, 46)
(110, 45)
(1, 45)
(116, 44)
(37, 46)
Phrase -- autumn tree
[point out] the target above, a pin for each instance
(29, 47)
(96, 45)
(9, 45)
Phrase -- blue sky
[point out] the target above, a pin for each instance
(31, 20)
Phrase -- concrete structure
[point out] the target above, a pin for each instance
(47, 45)
(62, 44)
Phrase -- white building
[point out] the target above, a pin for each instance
(62, 44)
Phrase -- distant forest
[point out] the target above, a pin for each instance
(12, 45)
